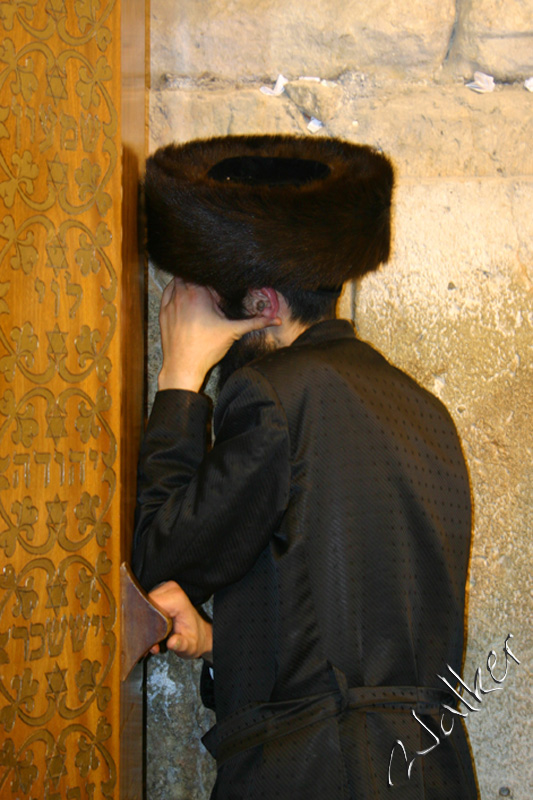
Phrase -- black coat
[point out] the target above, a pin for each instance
(332, 522)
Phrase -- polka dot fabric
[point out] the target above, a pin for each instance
(332, 521)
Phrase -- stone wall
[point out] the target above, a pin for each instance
(454, 307)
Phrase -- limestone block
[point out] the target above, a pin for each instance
(320, 100)
(178, 116)
(235, 38)
(498, 37)
(178, 765)
(493, 16)
(428, 130)
(156, 283)
(446, 130)
(459, 286)
(454, 309)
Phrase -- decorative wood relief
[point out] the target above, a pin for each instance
(60, 399)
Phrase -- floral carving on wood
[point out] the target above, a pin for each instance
(59, 177)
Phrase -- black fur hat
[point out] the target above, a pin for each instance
(242, 212)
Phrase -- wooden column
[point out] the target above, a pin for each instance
(72, 122)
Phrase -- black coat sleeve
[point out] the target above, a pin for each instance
(203, 517)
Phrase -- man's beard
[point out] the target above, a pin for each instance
(249, 347)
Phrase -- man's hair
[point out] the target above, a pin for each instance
(306, 306)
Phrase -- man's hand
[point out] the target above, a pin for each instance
(195, 334)
(192, 635)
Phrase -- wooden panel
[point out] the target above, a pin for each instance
(133, 117)
(65, 316)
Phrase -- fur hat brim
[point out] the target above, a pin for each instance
(243, 212)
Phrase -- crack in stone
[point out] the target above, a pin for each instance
(453, 33)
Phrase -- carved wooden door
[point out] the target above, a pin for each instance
(72, 120)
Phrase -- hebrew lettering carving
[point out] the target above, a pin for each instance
(58, 448)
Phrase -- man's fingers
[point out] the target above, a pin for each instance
(182, 646)
(254, 324)
(168, 293)
(177, 644)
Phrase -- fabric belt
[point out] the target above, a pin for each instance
(262, 722)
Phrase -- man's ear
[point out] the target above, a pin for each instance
(263, 302)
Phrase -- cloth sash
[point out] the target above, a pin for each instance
(259, 723)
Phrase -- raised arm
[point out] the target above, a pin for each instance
(204, 517)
